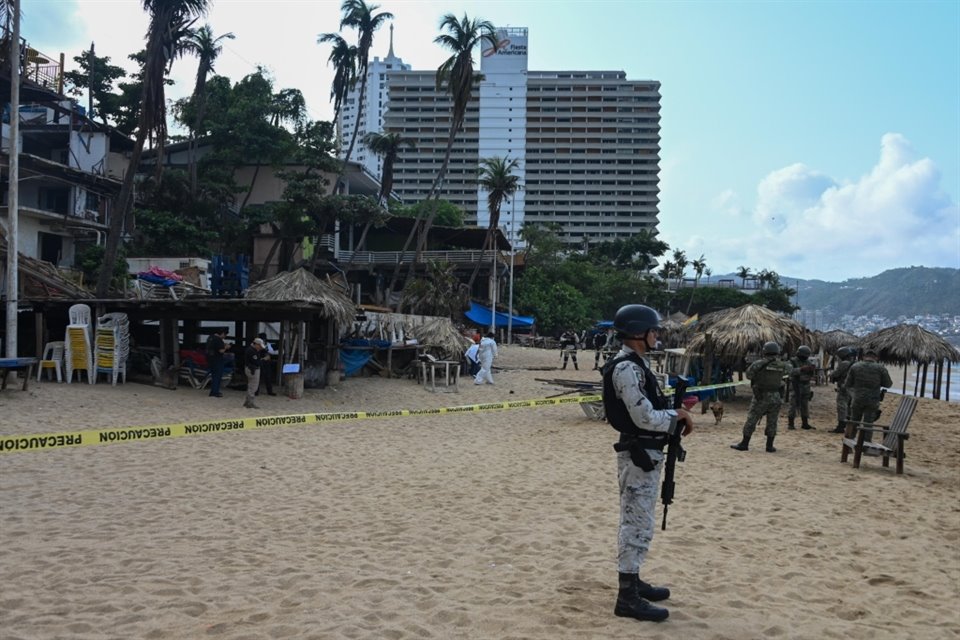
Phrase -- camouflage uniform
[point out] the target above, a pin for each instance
(864, 380)
(839, 376)
(766, 376)
(801, 375)
(638, 488)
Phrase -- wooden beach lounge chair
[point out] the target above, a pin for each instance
(894, 436)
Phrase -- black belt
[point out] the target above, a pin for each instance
(638, 449)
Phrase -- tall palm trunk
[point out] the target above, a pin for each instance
(353, 138)
(422, 240)
(124, 205)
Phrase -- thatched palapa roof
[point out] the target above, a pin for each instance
(737, 332)
(907, 343)
(303, 286)
(833, 340)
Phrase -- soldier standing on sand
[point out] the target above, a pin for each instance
(839, 375)
(635, 406)
(864, 380)
(568, 345)
(766, 380)
(801, 374)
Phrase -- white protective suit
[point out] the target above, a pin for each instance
(487, 352)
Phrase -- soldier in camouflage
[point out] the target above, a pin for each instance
(801, 375)
(766, 380)
(865, 381)
(636, 407)
(839, 375)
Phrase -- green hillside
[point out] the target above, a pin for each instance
(907, 291)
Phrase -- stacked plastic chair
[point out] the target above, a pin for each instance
(78, 354)
(113, 345)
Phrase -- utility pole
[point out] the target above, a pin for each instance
(513, 252)
(493, 284)
(13, 179)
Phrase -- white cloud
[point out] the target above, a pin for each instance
(809, 225)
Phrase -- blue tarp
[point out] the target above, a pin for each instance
(478, 314)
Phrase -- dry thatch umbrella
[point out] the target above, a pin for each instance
(833, 340)
(737, 332)
(303, 286)
(904, 344)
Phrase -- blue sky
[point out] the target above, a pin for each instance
(817, 139)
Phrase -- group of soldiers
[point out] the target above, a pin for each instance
(604, 343)
(860, 388)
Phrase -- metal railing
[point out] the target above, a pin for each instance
(393, 257)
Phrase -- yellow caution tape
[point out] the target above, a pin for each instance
(49, 441)
(116, 435)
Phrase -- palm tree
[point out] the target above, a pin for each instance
(699, 265)
(498, 180)
(743, 273)
(680, 264)
(457, 75)
(359, 15)
(207, 48)
(387, 146)
(170, 22)
(343, 58)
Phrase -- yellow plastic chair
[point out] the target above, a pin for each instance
(52, 359)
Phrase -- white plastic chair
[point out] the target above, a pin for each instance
(79, 314)
(52, 359)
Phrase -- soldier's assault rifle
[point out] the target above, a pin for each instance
(675, 453)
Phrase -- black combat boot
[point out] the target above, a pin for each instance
(790, 425)
(575, 367)
(806, 425)
(649, 592)
(630, 604)
(840, 428)
(770, 448)
(742, 445)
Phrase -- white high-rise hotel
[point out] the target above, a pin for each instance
(588, 142)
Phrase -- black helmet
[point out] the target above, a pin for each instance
(804, 351)
(771, 349)
(636, 319)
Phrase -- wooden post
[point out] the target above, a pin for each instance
(707, 366)
(904, 390)
(949, 369)
(923, 387)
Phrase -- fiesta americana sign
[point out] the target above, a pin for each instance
(506, 48)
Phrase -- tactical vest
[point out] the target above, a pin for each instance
(798, 364)
(840, 373)
(770, 377)
(867, 376)
(616, 410)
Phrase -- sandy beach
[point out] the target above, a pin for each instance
(497, 524)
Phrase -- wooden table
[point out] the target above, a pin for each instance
(451, 371)
(17, 364)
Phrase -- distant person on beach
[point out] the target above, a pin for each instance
(636, 407)
(486, 352)
(473, 359)
(839, 376)
(599, 342)
(568, 345)
(268, 366)
(216, 347)
(252, 357)
(802, 374)
(866, 381)
(766, 376)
